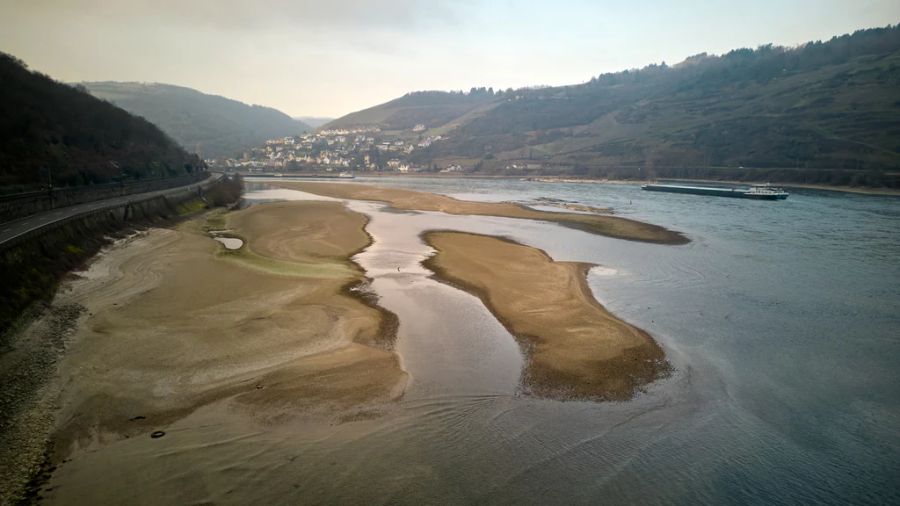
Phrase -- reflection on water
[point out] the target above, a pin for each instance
(781, 319)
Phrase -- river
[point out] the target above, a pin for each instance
(781, 319)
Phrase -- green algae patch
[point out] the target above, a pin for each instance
(246, 257)
(191, 207)
(215, 220)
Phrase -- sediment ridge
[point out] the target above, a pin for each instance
(575, 348)
(610, 226)
(170, 321)
(273, 326)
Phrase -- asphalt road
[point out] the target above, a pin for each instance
(12, 230)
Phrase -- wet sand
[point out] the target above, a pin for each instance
(573, 206)
(574, 348)
(610, 226)
(276, 330)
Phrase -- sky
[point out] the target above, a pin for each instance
(332, 57)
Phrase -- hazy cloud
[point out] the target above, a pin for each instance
(334, 56)
(340, 15)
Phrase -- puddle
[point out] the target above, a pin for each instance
(230, 242)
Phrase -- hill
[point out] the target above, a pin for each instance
(429, 108)
(211, 125)
(50, 128)
(822, 112)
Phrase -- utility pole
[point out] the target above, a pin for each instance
(50, 185)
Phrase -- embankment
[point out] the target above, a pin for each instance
(32, 267)
(17, 205)
(169, 321)
(33, 264)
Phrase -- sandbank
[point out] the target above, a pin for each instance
(610, 226)
(574, 348)
(276, 329)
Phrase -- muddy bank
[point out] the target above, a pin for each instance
(35, 332)
(278, 330)
(610, 226)
(34, 263)
(574, 348)
(270, 326)
(573, 206)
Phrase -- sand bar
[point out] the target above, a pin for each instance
(574, 348)
(273, 329)
(610, 226)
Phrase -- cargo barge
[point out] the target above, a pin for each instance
(758, 192)
(268, 175)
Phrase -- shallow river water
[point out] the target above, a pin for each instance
(782, 320)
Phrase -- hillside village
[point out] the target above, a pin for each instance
(363, 149)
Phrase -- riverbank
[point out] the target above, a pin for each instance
(574, 348)
(880, 192)
(860, 190)
(171, 321)
(409, 200)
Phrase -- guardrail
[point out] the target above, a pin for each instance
(20, 205)
(42, 228)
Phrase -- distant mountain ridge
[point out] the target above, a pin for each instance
(212, 125)
(51, 132)
(821, 106)
(313, 121)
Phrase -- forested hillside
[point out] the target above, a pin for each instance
(211, 125)
(50, 130)
(821, 112)
(430, 108)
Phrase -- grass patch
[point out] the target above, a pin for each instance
(215, 220)
(247, 258)
(190, 207)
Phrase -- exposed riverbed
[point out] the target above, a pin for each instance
(779, 319)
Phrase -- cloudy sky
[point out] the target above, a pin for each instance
(332, 57)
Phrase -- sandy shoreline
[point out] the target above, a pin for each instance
(575, 348)
(199, 323)
(280, 329)
(610, 226)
